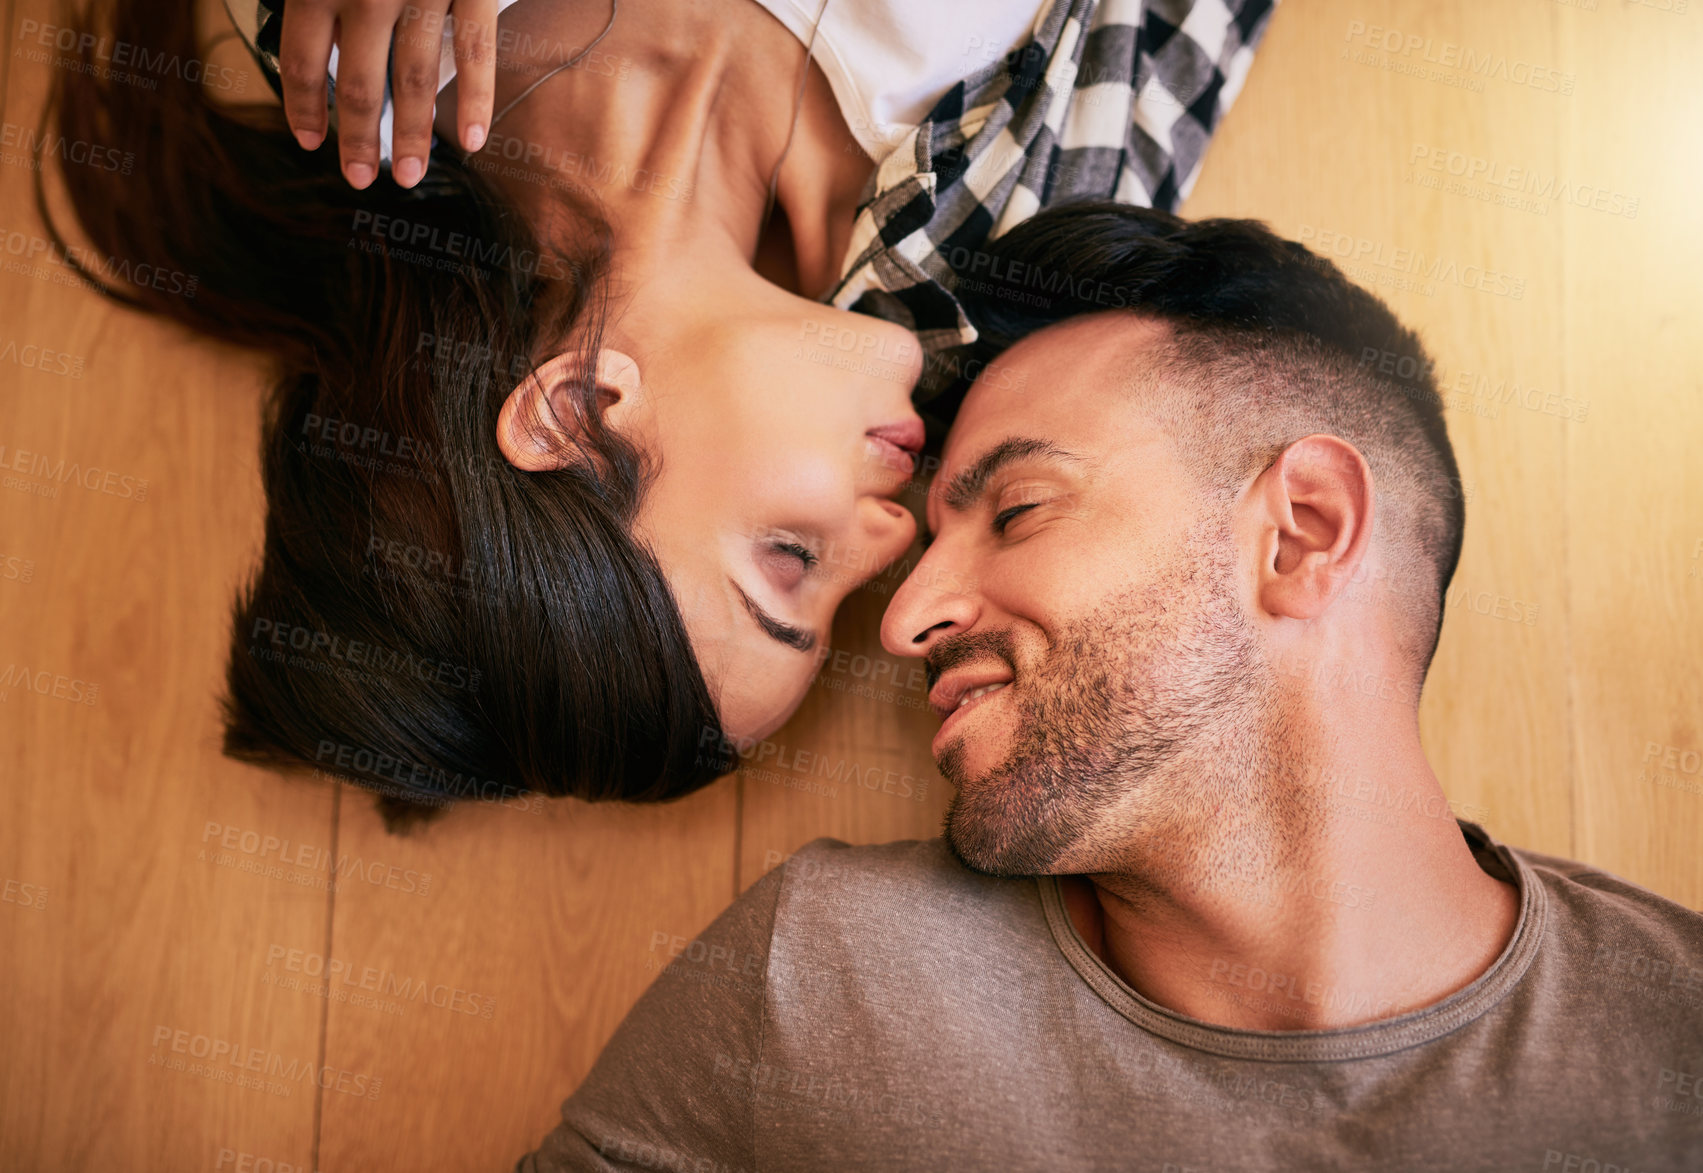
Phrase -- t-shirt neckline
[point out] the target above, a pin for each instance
(1369, 1040)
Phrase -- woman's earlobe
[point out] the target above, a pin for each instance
(541, 428)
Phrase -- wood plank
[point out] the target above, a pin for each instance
(1634, 503)
(130, 957)
(482, 1001)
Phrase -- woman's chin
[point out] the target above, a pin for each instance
(748, 721)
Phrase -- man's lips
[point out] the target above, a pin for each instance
(970, 694)
(959, 690)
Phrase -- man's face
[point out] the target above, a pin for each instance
(1080, 607)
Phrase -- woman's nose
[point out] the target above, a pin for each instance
(887, 530)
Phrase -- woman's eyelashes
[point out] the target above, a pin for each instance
(786, 560)
(796, 550)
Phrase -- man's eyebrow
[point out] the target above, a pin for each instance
(964, 488)
(797, 638)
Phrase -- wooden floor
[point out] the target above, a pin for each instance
(164, 907)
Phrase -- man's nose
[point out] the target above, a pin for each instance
(932, 603)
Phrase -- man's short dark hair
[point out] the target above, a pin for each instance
(1269, 343)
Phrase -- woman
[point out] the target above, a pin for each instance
(567, 470)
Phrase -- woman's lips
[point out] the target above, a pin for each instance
(908, 434)
(900, 443)
(892, 455)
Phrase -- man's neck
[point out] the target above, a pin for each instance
(1346, 896)
(674, 125)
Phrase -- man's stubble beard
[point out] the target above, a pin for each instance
(1132, 722)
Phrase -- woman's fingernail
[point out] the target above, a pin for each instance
(309, 139)
(474, 137)
(359, 174)
(407, 171)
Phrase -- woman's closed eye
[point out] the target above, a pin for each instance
(786, 561)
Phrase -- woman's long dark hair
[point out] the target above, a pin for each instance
(426, 619)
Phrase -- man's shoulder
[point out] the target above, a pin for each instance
(903, 870)
(1625, 924)
(919, 860)
(910, 890)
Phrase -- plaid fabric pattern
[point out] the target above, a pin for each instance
(1111, 99)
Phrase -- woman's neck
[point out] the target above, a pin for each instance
(674, 122)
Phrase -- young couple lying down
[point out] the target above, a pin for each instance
(616, 319)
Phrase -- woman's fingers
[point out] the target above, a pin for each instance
(414, 88)
(475, 69)
(363, 58)
(304, 55)
(362, 31)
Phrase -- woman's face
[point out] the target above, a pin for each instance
(782, 432)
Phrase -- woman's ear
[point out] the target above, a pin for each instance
(541, 428)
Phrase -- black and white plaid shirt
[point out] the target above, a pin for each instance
(1111, 99)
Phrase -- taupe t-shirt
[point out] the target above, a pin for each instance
(885, 1008)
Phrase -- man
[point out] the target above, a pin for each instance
(1200, 903)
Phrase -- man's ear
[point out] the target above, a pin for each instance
(541, 427)
(1314, 508)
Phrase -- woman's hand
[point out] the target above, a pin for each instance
(362, 31)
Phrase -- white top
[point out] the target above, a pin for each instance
(888, 61)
